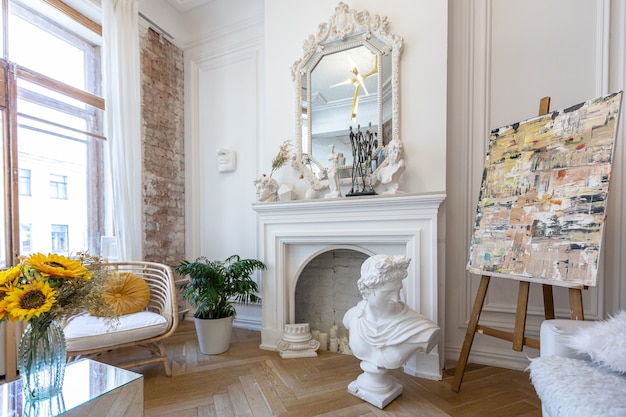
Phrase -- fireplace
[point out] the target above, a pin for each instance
(292, 233)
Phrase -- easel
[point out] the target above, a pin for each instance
(517, 336)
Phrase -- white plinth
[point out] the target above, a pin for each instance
(297, 342)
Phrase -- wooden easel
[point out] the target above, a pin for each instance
(517, 336)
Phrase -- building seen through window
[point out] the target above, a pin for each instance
(24, 181)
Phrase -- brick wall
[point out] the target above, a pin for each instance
(326, 289)
(163, 152)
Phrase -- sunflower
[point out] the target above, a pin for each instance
(3, 309)
(58, 266)
(31, 300)
(9, 276)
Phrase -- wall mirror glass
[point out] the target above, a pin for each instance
(347, 78)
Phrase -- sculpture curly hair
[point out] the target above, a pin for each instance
(381, 269)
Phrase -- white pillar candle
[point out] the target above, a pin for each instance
(333, 332)
(334, 345)
(324, 341)
(316, 334)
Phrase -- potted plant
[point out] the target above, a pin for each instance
(213, 289)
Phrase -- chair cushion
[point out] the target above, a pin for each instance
(86, 332)
(126, 293)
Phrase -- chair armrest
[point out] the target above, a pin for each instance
(554, 334)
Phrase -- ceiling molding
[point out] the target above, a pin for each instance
(185, 5)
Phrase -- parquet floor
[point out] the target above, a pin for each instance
(247, 381)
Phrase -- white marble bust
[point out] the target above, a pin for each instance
(384, 331)
(389, 174)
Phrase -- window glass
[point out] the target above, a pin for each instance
(58, 134)
(36, 41)
(59, 193)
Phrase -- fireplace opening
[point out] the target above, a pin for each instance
(326, 289)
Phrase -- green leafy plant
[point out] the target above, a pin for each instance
(214, 286)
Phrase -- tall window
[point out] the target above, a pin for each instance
(55, 118)
(58, 186)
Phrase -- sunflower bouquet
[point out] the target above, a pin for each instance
(45, 288)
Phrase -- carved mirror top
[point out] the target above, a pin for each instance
(363, 40)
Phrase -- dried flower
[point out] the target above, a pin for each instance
(282, 157)
(45, 288)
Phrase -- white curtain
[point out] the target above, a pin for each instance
(123, 123)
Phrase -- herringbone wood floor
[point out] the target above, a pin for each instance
(248, 381)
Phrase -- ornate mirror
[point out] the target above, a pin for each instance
(347, 80)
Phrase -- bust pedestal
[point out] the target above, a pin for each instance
(375, 385)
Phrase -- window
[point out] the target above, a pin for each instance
(58, 186)
(59, 238)
(54, 112)
(24, 181)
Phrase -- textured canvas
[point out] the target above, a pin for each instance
(543, 196)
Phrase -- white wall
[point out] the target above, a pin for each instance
(505, 56)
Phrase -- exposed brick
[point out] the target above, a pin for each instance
(162, 79)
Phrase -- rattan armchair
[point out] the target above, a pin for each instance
(88, 336)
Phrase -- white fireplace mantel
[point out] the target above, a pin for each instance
(292, 233)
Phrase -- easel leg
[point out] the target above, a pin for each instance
(548, 301)
(469, 334)
(520, 316)
(576, 304)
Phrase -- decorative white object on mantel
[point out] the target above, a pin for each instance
(266, 188)
(292, 233)
(297, 342)
(286, 192)
(390, 174)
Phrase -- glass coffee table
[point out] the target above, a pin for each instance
(89, 388)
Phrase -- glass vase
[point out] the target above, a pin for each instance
(41, 358)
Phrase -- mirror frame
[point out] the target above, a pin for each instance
(346, 29)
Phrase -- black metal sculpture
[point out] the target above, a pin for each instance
(363, 146)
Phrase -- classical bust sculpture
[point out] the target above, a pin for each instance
(266, 188)
(389, 175)
(384, 331)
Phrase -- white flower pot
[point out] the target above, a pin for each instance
(214, 334)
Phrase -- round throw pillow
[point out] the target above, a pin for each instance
(126, 293)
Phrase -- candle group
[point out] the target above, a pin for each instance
(328, 341)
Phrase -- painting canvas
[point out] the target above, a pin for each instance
(543, 196)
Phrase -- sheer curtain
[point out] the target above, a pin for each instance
(123, 123)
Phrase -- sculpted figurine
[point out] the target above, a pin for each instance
(384, 331)
(390, 174)
(333, 174)
(266, 188)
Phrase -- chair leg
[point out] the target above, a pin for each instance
(166, 360)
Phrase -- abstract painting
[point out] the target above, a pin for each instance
(543, 196)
